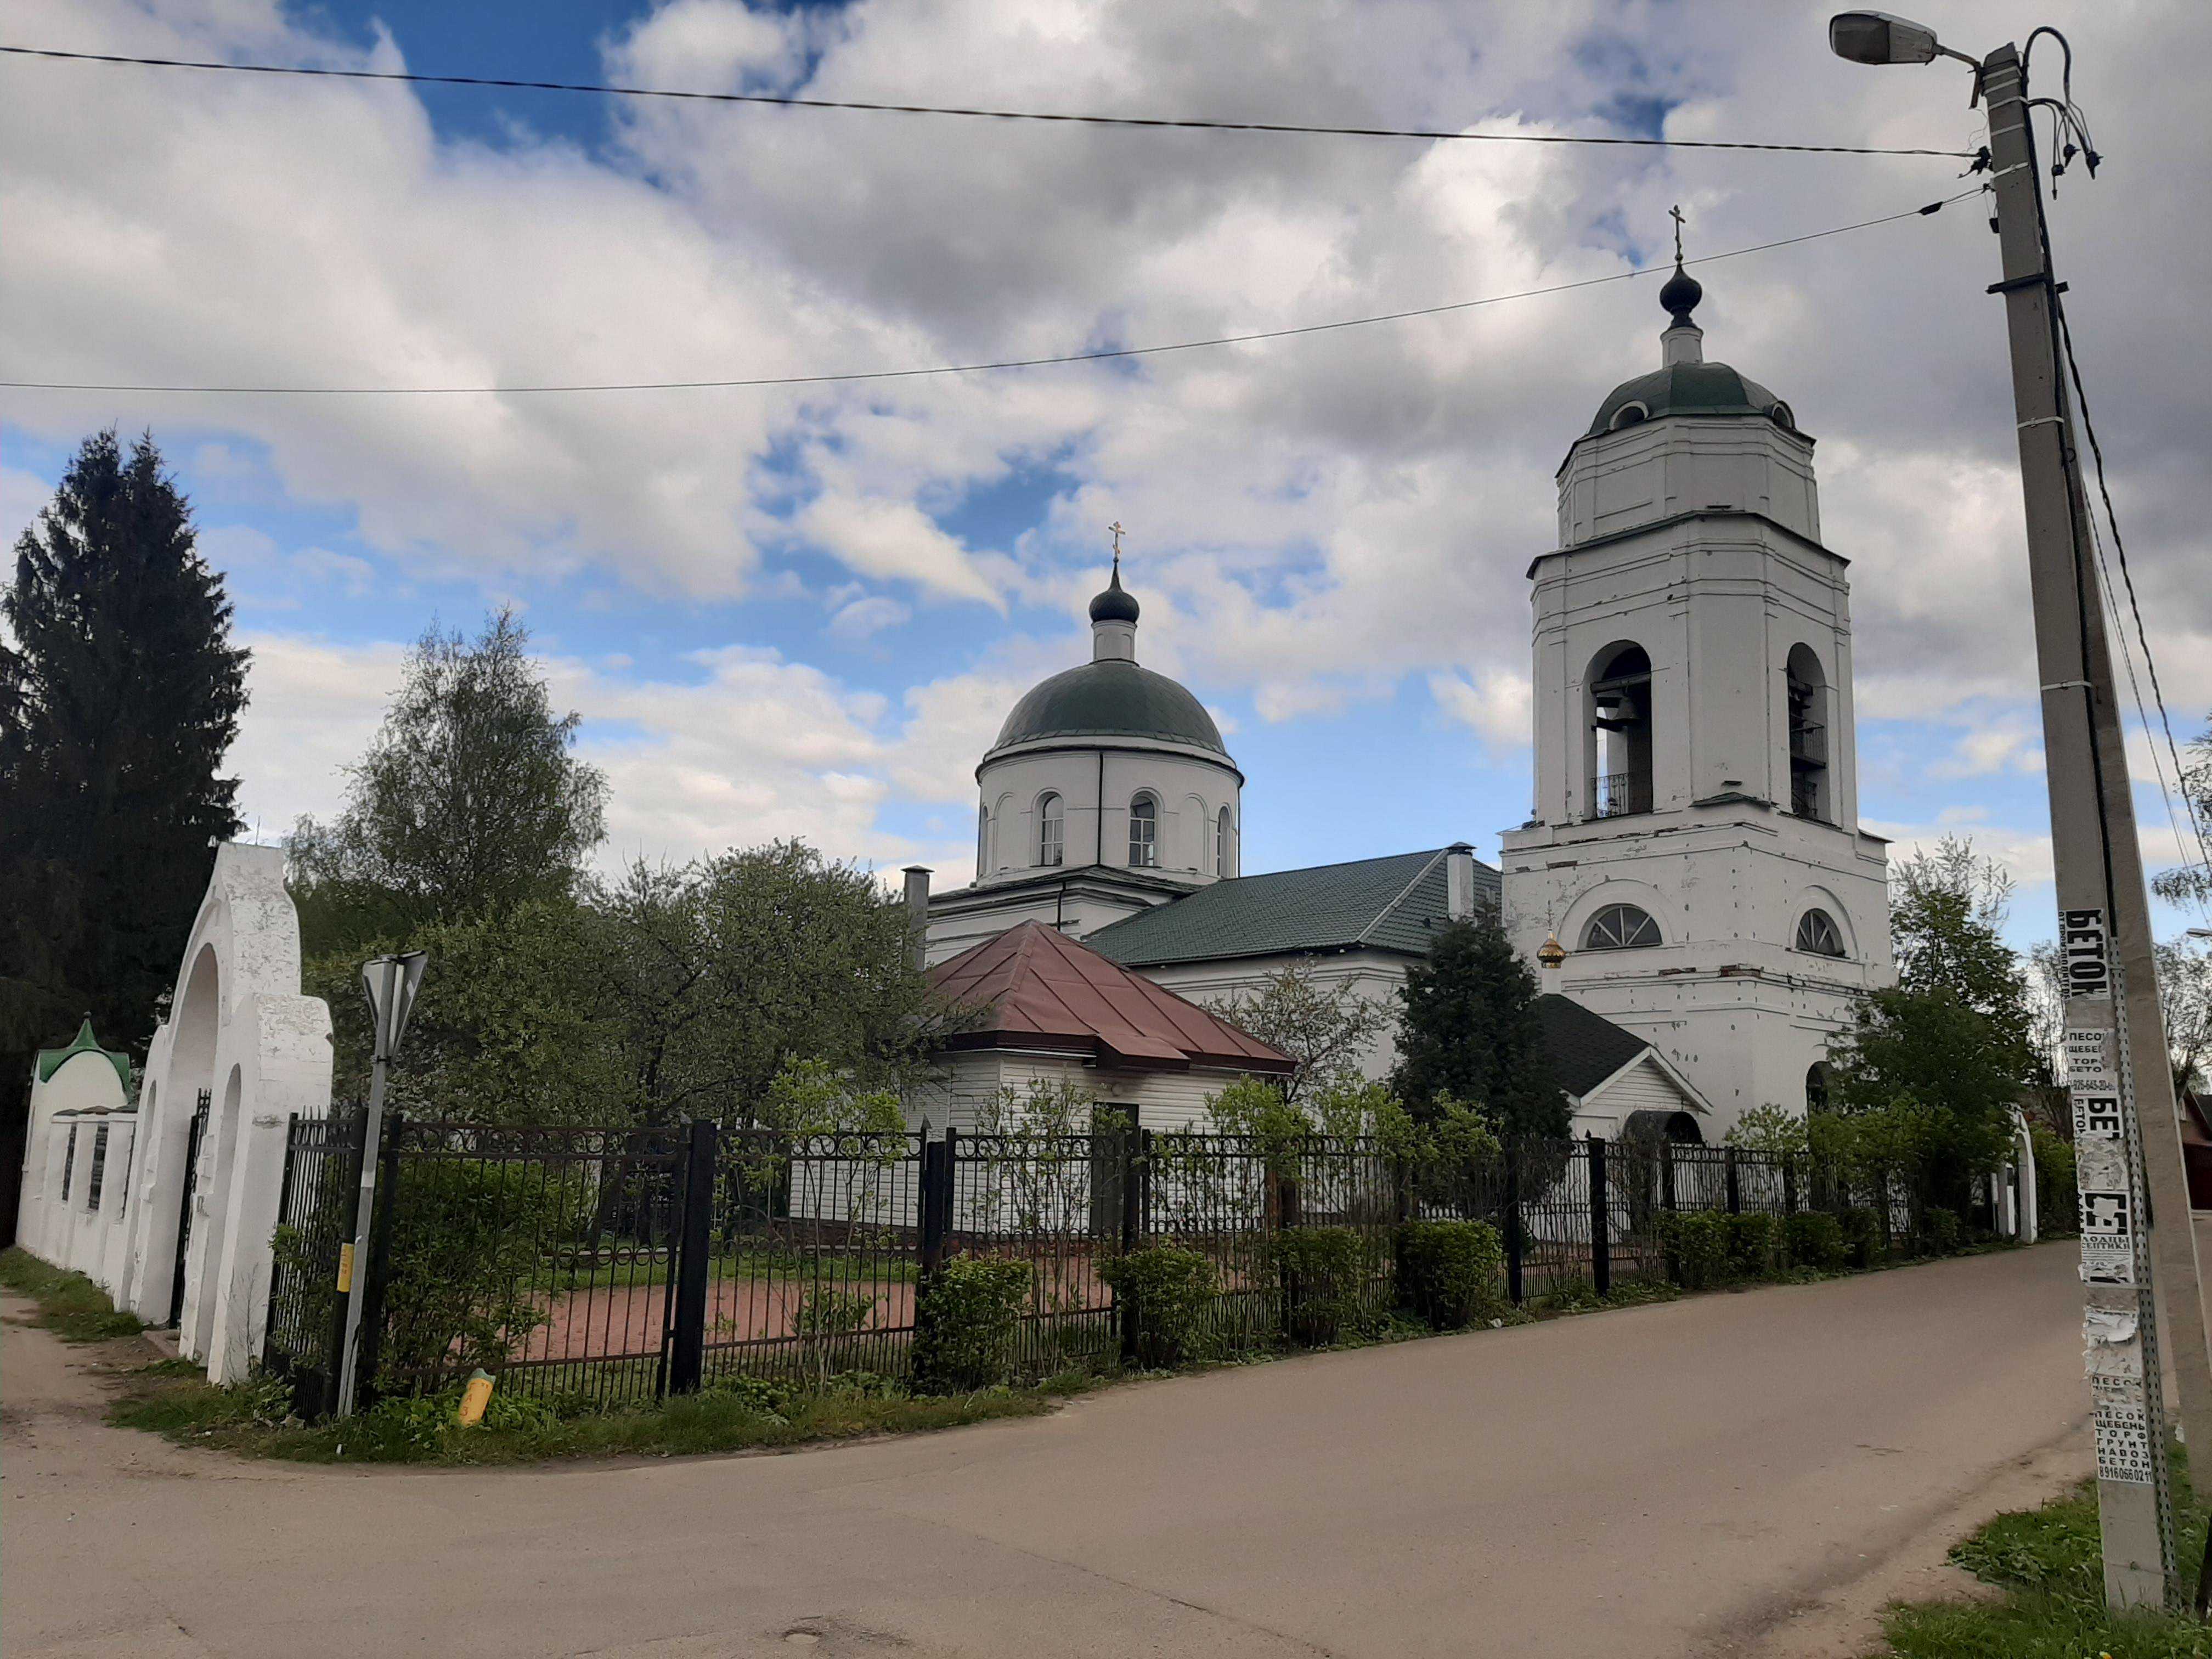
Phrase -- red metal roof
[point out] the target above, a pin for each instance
(1037, 988)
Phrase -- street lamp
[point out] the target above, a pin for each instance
(1877, 37)
(2127, 1129)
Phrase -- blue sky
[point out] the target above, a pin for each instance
(805, 612)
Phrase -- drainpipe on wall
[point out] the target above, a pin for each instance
(917, 913)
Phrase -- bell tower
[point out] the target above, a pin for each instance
(1695, 844)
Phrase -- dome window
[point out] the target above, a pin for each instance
(1620, 928)
(1051, 827)
(1783, 417)
(1629, 414)
(1144, 833)
(1817, 933)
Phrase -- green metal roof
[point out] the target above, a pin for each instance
(1111, 699)
(1393, 903)
(1687, 389)
(50, 1060)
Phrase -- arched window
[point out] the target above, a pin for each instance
(1810, 795)
(1816, 1087)
(1620, 733)
(1224, 845)
(1817, 932)
(1784, 417)
(1628, 414)
(1144, 833)
(1052, 830)
(1620, 928)
(982, 841)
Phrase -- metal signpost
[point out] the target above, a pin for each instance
(2126, 1130)
(391, 982)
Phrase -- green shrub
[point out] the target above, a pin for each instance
(467, 1241)
(965, 1320)
(1939, 1231)
(1167, 1292)
(1755, 1245)
(1324, 1272)
(1446, 1270)
(1697, 1244)
(1816, 1240)
(1862, 1237)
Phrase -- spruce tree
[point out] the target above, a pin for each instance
(1468, 1030)
(119, 694)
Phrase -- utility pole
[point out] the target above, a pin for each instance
(2126, 1135)
(2126, 1127)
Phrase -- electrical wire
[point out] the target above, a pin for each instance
(787, 101)
(2198, 829)
(1107, 355)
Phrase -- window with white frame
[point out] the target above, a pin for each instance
(1817, 933)
(1620, 928)
(1052, 830)
(1144, 833)
(1224, 845)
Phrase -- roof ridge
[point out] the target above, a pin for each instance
(1399, 897)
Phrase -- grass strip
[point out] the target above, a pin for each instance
(70, 1305)
(2047, 1566)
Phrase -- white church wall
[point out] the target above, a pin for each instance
(1374, 975)
(241, 1031)
(87, 1082)
(1189, 787)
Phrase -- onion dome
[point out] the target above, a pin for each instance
(1117, 603)
(1681, 296)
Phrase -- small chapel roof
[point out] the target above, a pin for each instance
(1037, 988)
(1393, 903)
(1586, 1048)
(50, 1060)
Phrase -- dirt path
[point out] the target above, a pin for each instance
(1728, 1475)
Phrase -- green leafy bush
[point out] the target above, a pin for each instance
(1863, 1235)
(965, 1320)
(1940, 1231)
(466, 1240)
(1696, 1245)
(1755, 1245)
(1448, 1271)
(1168, 1291)
(1816, 1240)
(1324, 1272)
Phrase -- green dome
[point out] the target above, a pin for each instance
(1111, 699)
(1691, 389)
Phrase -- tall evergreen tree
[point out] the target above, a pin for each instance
(119, 694)
(1468, 1030)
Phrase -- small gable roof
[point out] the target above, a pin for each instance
(1037, 988)
(50, 1060)
(1586, 1049)
(1394, 903)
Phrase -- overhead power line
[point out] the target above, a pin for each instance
(2199, 831)
(786, 102)
(1106, 354)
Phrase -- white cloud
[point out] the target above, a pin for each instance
(1312, 521)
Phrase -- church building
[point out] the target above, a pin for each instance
(1693, 880)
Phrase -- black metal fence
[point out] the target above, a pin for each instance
(593, 1267)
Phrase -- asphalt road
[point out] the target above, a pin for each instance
(1663, 1481)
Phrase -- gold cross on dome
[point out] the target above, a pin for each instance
(1675, 214)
